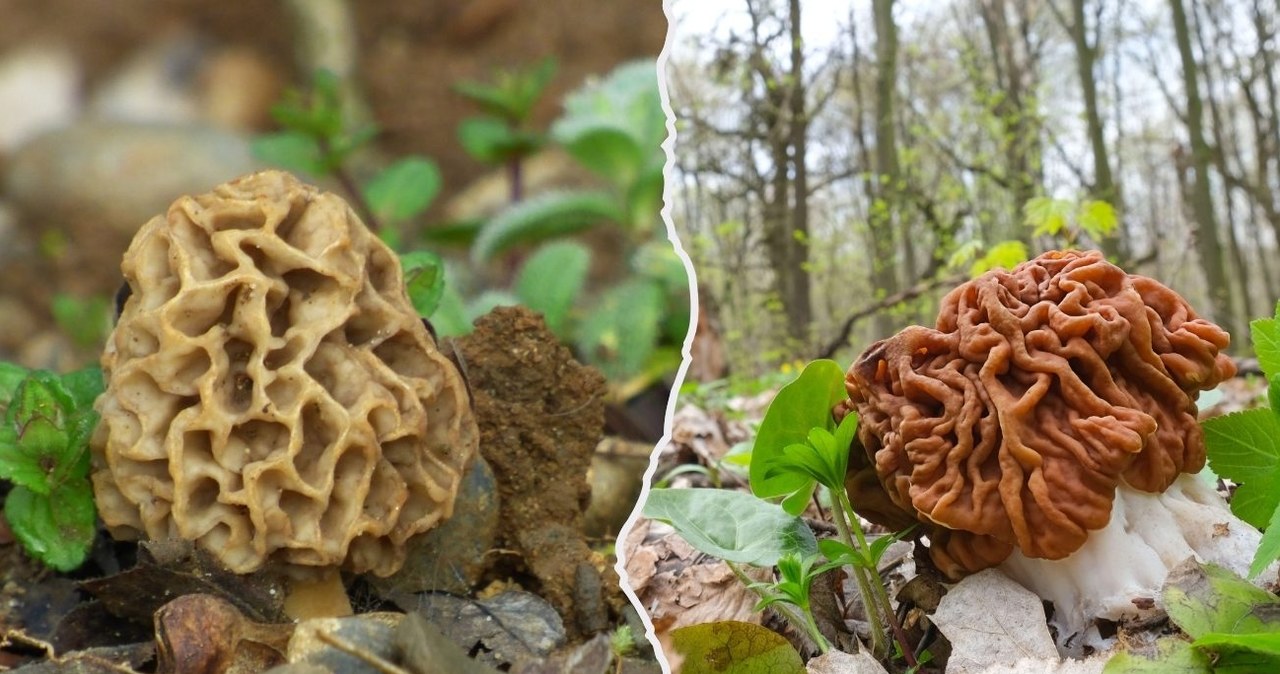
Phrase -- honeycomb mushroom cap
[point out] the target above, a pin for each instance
(1039, 392)
(271, 393)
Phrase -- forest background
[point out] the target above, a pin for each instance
(840, 164)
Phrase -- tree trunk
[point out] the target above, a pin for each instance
(882, 190)
(796, 293)
(1200, 194)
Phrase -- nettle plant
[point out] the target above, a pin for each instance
(44, 454)
(613, 127)
(798, 449)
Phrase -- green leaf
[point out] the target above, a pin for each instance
(493, 141)
(1173, 656)
(58, 528)
(622, 329)
(551, 280)
(404, 189)
(731, 525)
(1046, 215)
(1204, 598)
(292, 151)
(512, 93)
(84, 386)
(424, 280)
(803, 404)
(488, 301)
(608, 150)
(35, 441)
(542, 217)
(11, 375)
(1097, 219)
(1006, 255)
(1268, 548)
(1245, 447)
(450, 318)
(85, 320)
(1266, 344)
(731, 647)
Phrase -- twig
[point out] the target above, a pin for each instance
(842, 336)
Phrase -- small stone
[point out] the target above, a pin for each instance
(839, 662)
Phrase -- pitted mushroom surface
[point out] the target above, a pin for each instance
(271, 393)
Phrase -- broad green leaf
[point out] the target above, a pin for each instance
(1204, 598)
(292, 151)
(404, 189)
(35, 447)
(1268, 548)
(803, 404)
(1245, 447)
(551, 280)
(58, 528)
(731, 525)
(731, 647)
(608, 150)
(424, 280)
(644, 197)
(1266, 344)
(1174, 656)
(450, 318)
(628, 98)
(1273, 394)
(1097, 219)
(622, 329)
(542, 217)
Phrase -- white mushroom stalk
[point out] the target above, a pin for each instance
(1119, 571)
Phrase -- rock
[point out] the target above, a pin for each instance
(119, 175)
(155, 85)
(992, 621)
(38, 91)
(839, 662)
(452, 556)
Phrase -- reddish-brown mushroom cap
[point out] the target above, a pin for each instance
(1012, 423)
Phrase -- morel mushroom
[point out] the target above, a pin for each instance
(271, 393)
(1048, 426)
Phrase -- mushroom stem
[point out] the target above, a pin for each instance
(321, 597)
(1119, 571)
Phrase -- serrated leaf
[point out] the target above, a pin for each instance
(290, 150)
(801, 405)
(552, 279)
(1268, 548)
(542, 217)
(1097, 219)
(731, 525)
(1204, 598)
(1245, 447)
(58, 528)
(1266, 344)
(1046, 215)
(404, 189)
(424, 280)
(35, 447)
(731, 647)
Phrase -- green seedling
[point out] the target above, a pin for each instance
(318, 140)
(44, 452)
(795, 580)
(1245, 447)
(502, 135)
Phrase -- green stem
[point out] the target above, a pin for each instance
(804, 621)
(878, 646)
(881, 595)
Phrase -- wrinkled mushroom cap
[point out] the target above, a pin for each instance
(271, 393)
(1041, 389)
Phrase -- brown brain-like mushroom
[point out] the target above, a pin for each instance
(271, 393)
(1050, 411)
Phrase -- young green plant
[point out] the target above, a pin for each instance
(318, 140)
(798, 447)
(44, 453)
(502, 135)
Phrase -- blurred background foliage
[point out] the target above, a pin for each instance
(510, 155)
